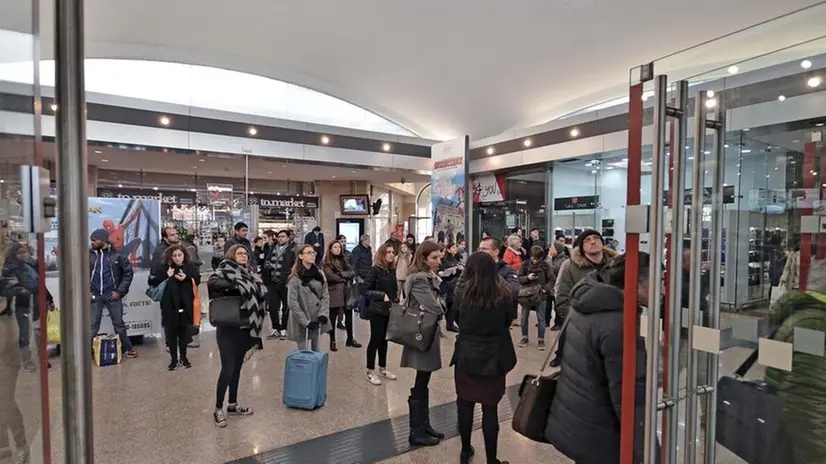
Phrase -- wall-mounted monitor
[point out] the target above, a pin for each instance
(355, 205)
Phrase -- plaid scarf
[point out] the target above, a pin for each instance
(253, 295)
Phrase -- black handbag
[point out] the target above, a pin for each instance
(225, 311)
(536, 394)
(351, 292)
(530, 296)
(749, 416)
(411, 326)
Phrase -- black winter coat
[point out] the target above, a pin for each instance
(362, 260)
(584, 423)
(450, 278)
(381, 282)
(177, 295)
(484, 347)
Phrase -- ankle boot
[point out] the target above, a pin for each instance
(426, 418)
(333, 346)
(418, 434)
(465, 455)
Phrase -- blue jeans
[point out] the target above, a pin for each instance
(540, 314)
(116, 313)
(24, 315)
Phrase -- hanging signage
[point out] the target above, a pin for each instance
(574, 203)
(447, 188)
(165, 197)
(489, 188)
(280, 201)
(728, 195)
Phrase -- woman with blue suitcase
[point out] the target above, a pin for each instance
(423, 290)
(308, 299)
(235, 285)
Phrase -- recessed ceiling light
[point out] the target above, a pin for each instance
(527, 142)
(733, 69)
(746, 150)
(820, 124)
(104, 160)
(574, 132)
(54, 107)
(201, 160)
(164, 120)
(252, 131)
(325, 140)
(710, 93)
(706, 152)
(490, 150)
(746, 129)
(154, 188)
(98, 152)
(120, 185)
(805, 64)
(386, 147)
(814, 81)
(725, 145)
(711, 103)
(781, 97)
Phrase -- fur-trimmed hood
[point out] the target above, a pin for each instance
(578, 258)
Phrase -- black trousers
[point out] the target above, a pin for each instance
(490, 426)
(233, 344)
(176, 340)
(277, 300)
(335, 313)
(378, 342)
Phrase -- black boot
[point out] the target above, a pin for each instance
(418, 434)
(426, 417)
(333, 346)
(464, 456)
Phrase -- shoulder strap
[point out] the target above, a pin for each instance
(555, 344)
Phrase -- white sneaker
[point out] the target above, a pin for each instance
(387, 374)
(373, 378)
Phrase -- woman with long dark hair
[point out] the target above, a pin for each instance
(484, 352)
(308, 298)
(422, 289)
(338, 272)
(381, 290)
(235, 281)
(177, 305)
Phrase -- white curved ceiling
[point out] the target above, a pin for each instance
(440, 68)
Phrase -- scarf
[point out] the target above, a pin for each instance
(311, 275)
(253, 295)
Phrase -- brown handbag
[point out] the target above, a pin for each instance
(536, 394)
(196, 305)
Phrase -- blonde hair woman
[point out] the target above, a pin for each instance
(513, 253)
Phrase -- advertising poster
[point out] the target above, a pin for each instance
(489, 188)
(448, 184)
(134, 230)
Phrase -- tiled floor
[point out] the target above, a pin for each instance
(144, 414)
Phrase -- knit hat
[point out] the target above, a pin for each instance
(580, 239)
(101, 235)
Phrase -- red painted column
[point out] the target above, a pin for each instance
(821, 238)
(632, 268)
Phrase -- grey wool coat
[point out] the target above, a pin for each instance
(423, 289)
(306, 306)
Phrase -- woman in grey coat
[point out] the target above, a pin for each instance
(308, 298)
(422, 290)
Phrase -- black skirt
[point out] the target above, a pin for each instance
(478, 389)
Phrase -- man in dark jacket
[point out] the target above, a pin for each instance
(491, 246)
(534, 240)
(277, 269)
(584, 423)
(362, 259)
(169, 236)
(110, 279)
(316, 239)
(240, 238)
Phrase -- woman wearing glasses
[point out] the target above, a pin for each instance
(308, 298)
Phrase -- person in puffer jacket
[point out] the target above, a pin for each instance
(110, 276)
(803, 389)
(584, 423)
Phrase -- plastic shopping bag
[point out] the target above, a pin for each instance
(53, 327)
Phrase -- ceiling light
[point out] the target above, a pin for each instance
(490, 151)
(594, 171)
(574, 132)
(814, 173)
(325, 140)
(746, 129)
(98, 152)
(711, 103)
(120, 185)
(706, 152)
(814, 81)
(820, 124)
(386, 147)
(202, 160)
(252, 131)
(805, 64)
(104, 160)
(165, 120)
(733, 69)
(527, 142)
(334, 177)
(609, 168)
(154, 188)
(725, 145)
(710, 93)
(691, 157)
(781, 97)
(746, 150)
(54, 107)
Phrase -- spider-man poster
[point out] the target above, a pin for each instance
(133, 226)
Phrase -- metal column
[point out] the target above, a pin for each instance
(75, 331)
(718, 208)
(656, 241)
(675, 265)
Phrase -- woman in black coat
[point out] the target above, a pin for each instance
(450, 271)
(338, 272)
(181, 278)
(484, 352)
(381, 291)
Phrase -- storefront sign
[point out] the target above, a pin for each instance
(278, 201)
(489, 188)
(448, 184)
(163, 196)
(573, 203)
(728, 195)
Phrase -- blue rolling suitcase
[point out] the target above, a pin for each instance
(305, 379)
